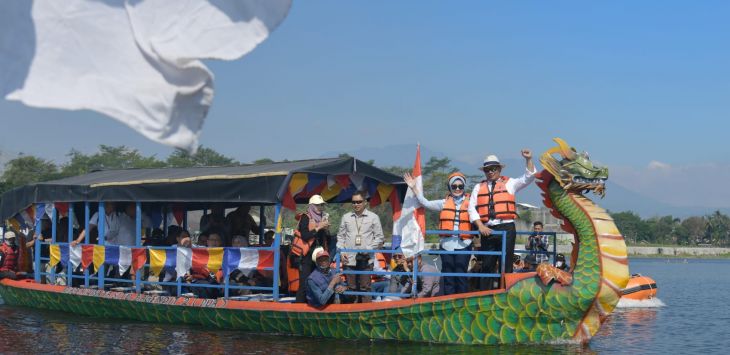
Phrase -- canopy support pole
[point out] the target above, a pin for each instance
(101, 220)
(277, 250)
(54, 230)
(86, 239)
(37, 246)
(138, 243)
(69, 267)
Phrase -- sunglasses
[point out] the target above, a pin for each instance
(457, 187)
(491, 169)
(357, 202)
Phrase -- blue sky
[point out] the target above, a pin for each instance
(642, 86)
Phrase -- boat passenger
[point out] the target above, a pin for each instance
(202, 241)
(9, 257)
(268, 238)
(215, 241)
(240, 241)
(215, 219)
(380, 283)
(156, 238)
(312, 231)
(492, 207)
(323, 283)
(537, 242)
(359, 229)
(427, 286)
(240, 222)
(173, 235)
(111, 225)
(397, 282)
(560, 262)
(519, 265)
(454, 216)
(127, 235)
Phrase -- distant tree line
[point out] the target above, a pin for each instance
(712, 229)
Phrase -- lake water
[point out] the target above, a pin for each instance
(694, 319)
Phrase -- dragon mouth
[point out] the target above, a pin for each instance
(579, 184)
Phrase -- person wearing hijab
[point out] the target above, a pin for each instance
(454, 216)
(313, 229)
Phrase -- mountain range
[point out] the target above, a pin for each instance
(618, 198)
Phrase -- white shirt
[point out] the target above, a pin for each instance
(452, 242)
(111, 226)
(512, 186)
(128, 229)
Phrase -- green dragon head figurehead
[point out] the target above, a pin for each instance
(574, 171)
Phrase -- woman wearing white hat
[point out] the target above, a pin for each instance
(312, 232)
(453, 217)
(492, 207)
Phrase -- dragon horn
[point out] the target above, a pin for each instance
(563, 148)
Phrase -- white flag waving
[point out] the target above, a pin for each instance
(410, 227)
(136, 61)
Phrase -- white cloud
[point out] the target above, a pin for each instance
(657, 165)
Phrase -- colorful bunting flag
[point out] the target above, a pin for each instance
(178, 212)
(14, 223)
(98, 257)
(87, 255)
(61, 208)
(384, 191)
(39, 212)
(55, 252)
(329, 192)
(162, 259)
(111, 254)
(184, 261)
(247, 260)
(357, 180)
(297, 183)
(139, 258)
(125, 259)
(75, 254)
(208, 258)
(343, 181)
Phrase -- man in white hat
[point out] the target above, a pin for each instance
(323, 282)
(8, 256)
(492, 207)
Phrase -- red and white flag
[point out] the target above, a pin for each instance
(410, 227)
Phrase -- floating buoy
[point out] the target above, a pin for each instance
(640, 288)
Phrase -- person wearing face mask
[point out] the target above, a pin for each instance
(323, 283)
(8, 257)
(454, 216)
(312, 231)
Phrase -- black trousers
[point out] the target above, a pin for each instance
(455, 263)
(305, 268)
(494, 243)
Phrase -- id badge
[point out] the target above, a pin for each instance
(358, 240)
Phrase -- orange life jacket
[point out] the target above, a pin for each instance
(380, 258)
(449, 213)
(10, 259)
(504, 202)
(299, 246)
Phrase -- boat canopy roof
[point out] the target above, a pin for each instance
(265, 184)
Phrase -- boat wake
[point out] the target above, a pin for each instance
(650, 303)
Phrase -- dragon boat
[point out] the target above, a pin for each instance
(543, 306)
